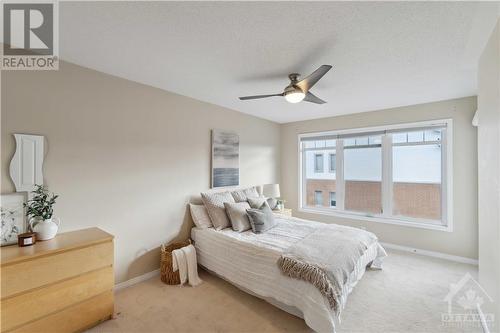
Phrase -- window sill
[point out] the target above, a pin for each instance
(422, 224)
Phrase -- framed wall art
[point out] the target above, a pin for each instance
(13, 217)
(225, 158)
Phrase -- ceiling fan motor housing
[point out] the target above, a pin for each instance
(294, 77)
(291, 89)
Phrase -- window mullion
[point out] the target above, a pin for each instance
(303, 199)
(340, 183)
(444, 178)
(387, 182)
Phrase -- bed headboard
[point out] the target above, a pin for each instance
(196, 199)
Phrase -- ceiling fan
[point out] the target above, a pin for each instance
(298, 91)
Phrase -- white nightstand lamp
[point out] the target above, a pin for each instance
(271, 191)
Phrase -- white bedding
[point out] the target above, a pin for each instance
(248, 260)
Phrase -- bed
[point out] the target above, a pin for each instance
(249, 261)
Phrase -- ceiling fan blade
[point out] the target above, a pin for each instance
(259, 96)
(311, 80)
(310, 97)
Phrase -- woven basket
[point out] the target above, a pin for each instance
(167, 274)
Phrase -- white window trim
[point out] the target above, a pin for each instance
(446, 181)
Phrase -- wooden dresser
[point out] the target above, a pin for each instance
(61, 285)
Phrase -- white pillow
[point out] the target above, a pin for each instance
(243, 194)
(200, 216)
(214, 203)
(237, 213)
(256, 202)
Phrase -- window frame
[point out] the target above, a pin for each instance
(330, 199)
(320, 204)
(446, 223)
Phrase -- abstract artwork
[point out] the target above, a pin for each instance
(225, 158)
(13, 222)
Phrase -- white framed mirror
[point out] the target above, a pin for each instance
(26, 164)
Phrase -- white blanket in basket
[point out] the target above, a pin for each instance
(184, 260)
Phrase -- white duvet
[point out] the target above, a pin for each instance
(248, 261)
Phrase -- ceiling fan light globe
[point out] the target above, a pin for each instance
(295, 97)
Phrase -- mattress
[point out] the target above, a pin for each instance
(248, 260)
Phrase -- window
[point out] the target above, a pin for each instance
(333, 163)
(318, 163)
(318, 180)
(395, 174)
(333, 199)
(416, 174)
(363, 175)
(318, 198)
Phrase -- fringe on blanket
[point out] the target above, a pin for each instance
(314, 275)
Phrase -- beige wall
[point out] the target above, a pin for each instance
(489, 172)
(463, 240)
(124, 156)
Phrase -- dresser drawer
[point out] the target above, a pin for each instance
(76, 318)
(30, 274)
(34, 304)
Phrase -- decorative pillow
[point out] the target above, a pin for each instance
(237, 213)
(272, 202)
(256, 202)
(261, 219)
(214, 202)
(200, 216)
(242, 195)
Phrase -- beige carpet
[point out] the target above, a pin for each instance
(407, 296)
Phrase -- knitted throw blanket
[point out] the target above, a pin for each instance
(326, 258)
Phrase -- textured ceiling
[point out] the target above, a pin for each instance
(384, 54)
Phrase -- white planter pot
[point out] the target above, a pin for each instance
(45, 229)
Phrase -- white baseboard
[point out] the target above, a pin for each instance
(462, 260)
(137, 279)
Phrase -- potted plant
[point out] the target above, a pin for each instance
(40, 211)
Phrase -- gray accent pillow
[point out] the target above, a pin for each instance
(256, 202)
(272, 202)
(237, 213)
(200, 216)
(214, 202)
(242, 195)
(261, 219)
